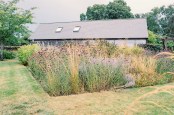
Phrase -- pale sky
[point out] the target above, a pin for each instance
(70, 10)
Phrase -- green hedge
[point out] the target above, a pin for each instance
(8, 54)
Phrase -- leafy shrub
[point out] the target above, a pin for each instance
(152, 47)
(24, 52)
(152, 38)
(8, 54)
(170, 45)
(155, 43)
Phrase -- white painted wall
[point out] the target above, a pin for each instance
(127, 42)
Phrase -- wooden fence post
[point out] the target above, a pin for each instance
(164, 44)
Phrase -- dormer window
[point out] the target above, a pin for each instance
(59, 29)
(76, 29)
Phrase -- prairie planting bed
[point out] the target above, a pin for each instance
(21, 94)
(76, 69)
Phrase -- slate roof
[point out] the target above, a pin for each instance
(119, 28)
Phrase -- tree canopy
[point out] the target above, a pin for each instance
(118, 9)
(114, 10)
(96, 12)
(160, 20)
(13, 21)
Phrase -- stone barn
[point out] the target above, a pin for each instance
(120, 32)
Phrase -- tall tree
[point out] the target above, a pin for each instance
(96, 12)
(171, 26)
(13, 22)
(159, 19)
(118, 9)
(114, 10)
(82, 17)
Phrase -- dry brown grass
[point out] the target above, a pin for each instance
(143, 69)
(156, 91)
(143, 64)
(165, 55)
(89, 103)
(74, 62)
(3, 82)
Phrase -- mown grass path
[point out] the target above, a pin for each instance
(20, 94)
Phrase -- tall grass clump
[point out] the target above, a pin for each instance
(111, 50)
(143, 69)
(130, 51)
(74, 61)
(96, 76)
(53, 70)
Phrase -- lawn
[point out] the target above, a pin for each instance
(21, 94)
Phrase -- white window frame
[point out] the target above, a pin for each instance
(59, 29)
(76, 29)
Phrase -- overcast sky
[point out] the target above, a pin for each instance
(70, 10)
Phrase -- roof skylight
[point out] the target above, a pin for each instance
(59, 29)
(76, 29)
